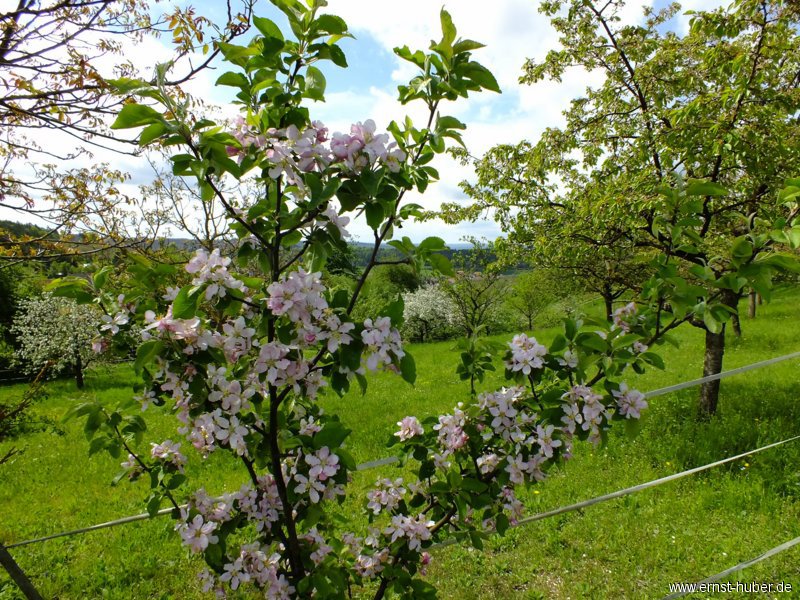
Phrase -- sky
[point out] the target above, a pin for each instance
(512, 30)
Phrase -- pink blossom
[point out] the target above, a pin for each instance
(323, 464)
(386, 496)
(630, 402)
(526, 354)
(416, 530)
(169, 452)
(197, 534)
(409, 427)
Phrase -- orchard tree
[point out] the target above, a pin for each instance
(532, 292)
(241, 360)
(53, 88)
(477, 290)
(428, 314)
(681, 151)
(56, 334)
(587, 250)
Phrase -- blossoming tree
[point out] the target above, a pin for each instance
(55, 334)
(241, 360)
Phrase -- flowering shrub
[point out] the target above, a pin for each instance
(241, 360)
(56, 333)
(428, 314)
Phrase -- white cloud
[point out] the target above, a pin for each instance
(513, 31)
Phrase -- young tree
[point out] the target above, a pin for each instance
(682, 150)
(241, 360)
(531, 292)
(476, 290)
(56, 334)
(569, 237)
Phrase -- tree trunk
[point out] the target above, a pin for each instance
(608, 300)
(712, 360)
(751, 304)
(737, 325)
(760, 300)
(712, 364)
(78, 370)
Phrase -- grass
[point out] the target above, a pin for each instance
(626, 548)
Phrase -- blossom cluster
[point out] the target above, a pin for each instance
(527, 354)
(204, 517)
(291, 151)
(625, 317)
(384, 347)
(211, 270)
(509, 436)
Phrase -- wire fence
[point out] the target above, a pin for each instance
(554, 512)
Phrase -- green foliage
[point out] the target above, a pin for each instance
(684, 176)
(477, 358)
(384, 285)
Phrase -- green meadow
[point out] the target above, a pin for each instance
(626, 548)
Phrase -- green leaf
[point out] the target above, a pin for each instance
(267, 27)
(653, 359)
(337, 56)
(374, 213)
(482, 76)
(559, 343)
(176, 481)
(126, 85)
(332, 435)
(473, 485)
(742, 248)
(442, 264)
(432, 243)
(417, 58)
(93, 421)
(443, 123)
(146, 353)
(152, 132)
(466, 46)
(705, 188)
(99, 279)
(76, 288)
(330, 24)
(501, 523)
(782, 262)
(448, 29)
(408, 368)
(711, 323)
(154, 504)
(238, 55)
(394, 310)
(591, 340)
(233, 79)
(186, 302)
(136, 115)
(315, 84)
